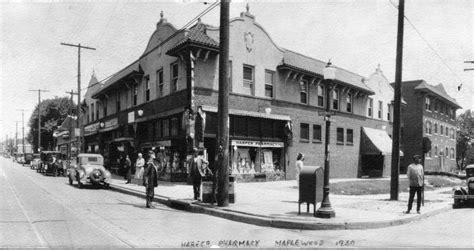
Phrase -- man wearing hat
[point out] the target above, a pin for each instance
(198, 167)
(150, 178)
(415, 180)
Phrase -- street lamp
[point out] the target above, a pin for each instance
(326, 211)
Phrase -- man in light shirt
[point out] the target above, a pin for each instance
(415, 180)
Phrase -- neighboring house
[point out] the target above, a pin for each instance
(166, 100)
(431, 113)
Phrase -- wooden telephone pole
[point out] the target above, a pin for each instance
(79, 120)
(39, 117)
(69, 151)
(396, 106)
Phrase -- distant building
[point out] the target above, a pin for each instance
(431, 114)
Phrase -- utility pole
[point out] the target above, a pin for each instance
(23, 128)
(396, 106)
(39, 116)
(69, 151)
(79, 120)
(16, 135)
(222, 145)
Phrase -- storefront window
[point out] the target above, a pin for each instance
(166, 128)
(250, 157)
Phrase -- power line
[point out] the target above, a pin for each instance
(189, 23)
(428, 44)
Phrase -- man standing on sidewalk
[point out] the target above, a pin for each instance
(415, 180)
(198, 167)
(150, 178)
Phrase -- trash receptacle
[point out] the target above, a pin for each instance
(311, 180)
(207, 195)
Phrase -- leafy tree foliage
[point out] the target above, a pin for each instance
(465, 133)
(53, 112)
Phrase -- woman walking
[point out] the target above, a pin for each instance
(139, 168)
(299, 166)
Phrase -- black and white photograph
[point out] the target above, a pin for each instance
(236, 124)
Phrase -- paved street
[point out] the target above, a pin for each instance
(41, 211)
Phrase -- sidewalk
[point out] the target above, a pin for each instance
(275, 204)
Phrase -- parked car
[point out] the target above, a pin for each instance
(28, 158)
(35, 161)
(464, 196)
(89, 168)
(49, 163)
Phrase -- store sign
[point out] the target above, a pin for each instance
(111, 123)
(89, 129)
(166, 143)
(258, 144)
(131, 117)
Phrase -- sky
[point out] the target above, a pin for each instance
(355, 35)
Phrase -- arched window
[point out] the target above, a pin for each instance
(436, 151)
(452, 153)
(429, 128)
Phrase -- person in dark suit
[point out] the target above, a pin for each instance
(128, 169)
(198, 170)
(150, 178)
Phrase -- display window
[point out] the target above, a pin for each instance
(251, 157)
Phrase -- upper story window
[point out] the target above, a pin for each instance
(135, 95)
(428, 128)
(452, 133)
(174, 78)
(248, 79)
(117, 101)
(147, 88)
(304, 91)
(159, 82)
(92, 112)
(453, 114)
(436, 106)
(97, 111)
(317, 132)
(335, 99)
(349, 103)
(370, 107)
(436, 151)
(269, 83)
(441, 130)
(427, 103)
(380, 110)
(452, 153)
(389, 112)
(340, 135)
(436, 128)
(446, 131)
(350, 136)
(321, 95)
(104, 107)
(304, 131)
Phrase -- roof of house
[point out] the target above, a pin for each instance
(314, 66)
(195, 35)
(437, 90)
(132, 68)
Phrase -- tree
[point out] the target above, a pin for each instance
(53, 113)
(465, 125)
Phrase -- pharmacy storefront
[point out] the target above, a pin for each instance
(257, 160)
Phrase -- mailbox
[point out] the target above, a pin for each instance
(311, 181)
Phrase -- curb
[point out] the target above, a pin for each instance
(268, 221)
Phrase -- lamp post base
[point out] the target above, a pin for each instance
(325, 213)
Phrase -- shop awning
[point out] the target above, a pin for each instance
(376, 142)
(213, 109)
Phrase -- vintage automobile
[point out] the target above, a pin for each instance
(49, 163)
(35, 161)
(464, 196)
(89, 168)
(28, 158)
